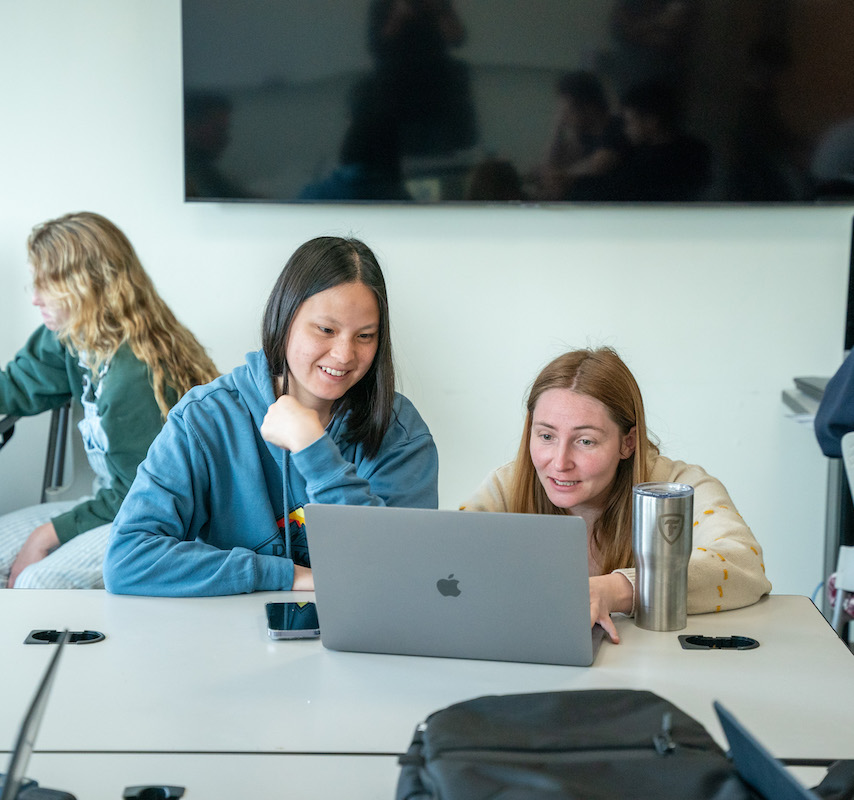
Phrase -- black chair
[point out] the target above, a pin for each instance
(54, 467)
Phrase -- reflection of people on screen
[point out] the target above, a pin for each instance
(662, 162)
(207, 120)
(494, 180)
(652, 41)
(832, 163)
(586, 139)
(369, 161)
(423, 88)
(766, 160)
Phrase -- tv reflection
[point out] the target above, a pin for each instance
(416, 103)
(424, 103)
(207, 134)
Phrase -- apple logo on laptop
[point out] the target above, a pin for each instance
(449, 587)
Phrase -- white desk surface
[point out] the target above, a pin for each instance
(200, 677)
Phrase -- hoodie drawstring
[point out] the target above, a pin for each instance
(285, 454)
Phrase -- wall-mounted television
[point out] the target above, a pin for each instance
(541, 101)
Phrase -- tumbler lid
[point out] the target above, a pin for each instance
(657, 489)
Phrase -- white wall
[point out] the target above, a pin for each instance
(714, 309)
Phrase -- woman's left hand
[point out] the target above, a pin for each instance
(608, 594)
(291, 425)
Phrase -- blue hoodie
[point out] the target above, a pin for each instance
(835, 415)
(207, 512)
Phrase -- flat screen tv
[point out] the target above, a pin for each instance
(511, 101)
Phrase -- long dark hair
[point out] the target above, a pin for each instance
(318, 265)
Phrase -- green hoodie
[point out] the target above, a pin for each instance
(45, 374)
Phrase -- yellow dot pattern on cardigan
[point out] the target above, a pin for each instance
(725, 573)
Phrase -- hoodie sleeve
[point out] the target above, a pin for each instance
(404, 473)
(835, 415)
(37, 379)
(158, 542)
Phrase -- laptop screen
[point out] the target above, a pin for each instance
(14, 777)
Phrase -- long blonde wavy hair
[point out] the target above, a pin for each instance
(602, 375)
(86, 265)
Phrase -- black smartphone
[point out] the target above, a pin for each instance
(292, 621)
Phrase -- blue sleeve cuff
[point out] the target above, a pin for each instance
(273, 573)
(329, 477)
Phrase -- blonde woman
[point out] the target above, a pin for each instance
(584, 445)
(110, 343)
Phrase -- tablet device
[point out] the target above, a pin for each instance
(756, 766)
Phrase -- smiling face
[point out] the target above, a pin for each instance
(576, 448)
(331, 345)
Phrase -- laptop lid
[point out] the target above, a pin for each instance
(458, 584)
(756, 766)
(14, 778)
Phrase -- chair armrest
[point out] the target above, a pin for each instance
(54, 467)
(7, 428)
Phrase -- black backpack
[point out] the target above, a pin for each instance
(596, 745)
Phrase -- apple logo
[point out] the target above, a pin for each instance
(449, 587)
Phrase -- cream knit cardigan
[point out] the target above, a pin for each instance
(726, 569)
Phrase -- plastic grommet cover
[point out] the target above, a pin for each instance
(47, 636)
(153, 792)
(700, 642)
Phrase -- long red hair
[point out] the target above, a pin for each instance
(602, 375)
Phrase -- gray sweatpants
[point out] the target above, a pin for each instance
(78, 564)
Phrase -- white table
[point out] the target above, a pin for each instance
(192, 691)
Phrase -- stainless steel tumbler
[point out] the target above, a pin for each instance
(662, 517)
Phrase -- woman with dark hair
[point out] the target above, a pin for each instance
(584, 445)
(217, 506)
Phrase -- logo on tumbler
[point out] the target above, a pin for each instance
(670, 526)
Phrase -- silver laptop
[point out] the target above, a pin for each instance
(458, 584)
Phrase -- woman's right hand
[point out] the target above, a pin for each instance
(608, 594)
(303, 579)
(290, 425)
